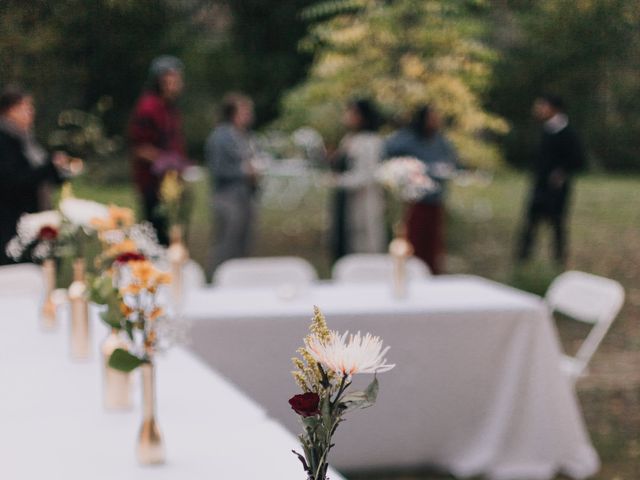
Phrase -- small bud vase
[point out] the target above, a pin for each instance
(150, 445)
(78, 300)
(178, 256)
(400, 249)
(117, 384)
(49, 307)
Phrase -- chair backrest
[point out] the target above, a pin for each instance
(24, 278)
(193, 275)
(265, 271)
(374, 267)
(587, 298)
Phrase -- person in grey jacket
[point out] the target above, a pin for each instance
(229, 153)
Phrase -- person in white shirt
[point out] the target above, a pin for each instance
(360, 151)
(560, 155)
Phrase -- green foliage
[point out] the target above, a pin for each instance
(402, 54)
(124, 361)
(102, 292)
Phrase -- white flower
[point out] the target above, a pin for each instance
(81, 212)
(406, 178)
(144, 236)
(358, 354)
(30, 224)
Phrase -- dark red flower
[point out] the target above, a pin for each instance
(305, 404)
(129, 257)
(48, 233)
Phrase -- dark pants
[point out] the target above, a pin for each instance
(425, 231)
(339, 247)
(550, 207)
(151, 202)
(234, 210)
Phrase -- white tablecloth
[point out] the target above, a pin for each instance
(53, 426)
(476, 390)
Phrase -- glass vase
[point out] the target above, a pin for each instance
(150, 445)
(400, 249)
(79, 305)
(178, 255)
(117, 384)
(49, 307)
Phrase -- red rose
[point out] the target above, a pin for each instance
(305, 404)
(48, 233)
(129, 257)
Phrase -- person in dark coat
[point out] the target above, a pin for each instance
(155, 137)
(425, 220)
(24, 165)
(560, 156)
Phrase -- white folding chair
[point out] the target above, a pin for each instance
(193, 275)
(24, 278)
(265, 271)
(374, 267)
(590, 299)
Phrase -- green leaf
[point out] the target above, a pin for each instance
(128, 327)
(124, 361)
(325, 411)
(364, 399)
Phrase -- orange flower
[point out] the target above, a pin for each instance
(143, 271)
(121, 217)
(102, 224)
(156, 313)
(126, 245)
(126, 309)
(131, 289)
(163, 278)
(151, 338)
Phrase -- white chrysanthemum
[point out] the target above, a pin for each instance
(81, 212)
(350, 354)
(30, 224)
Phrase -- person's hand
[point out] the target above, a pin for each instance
(68, 165)
(147, 152)
(557, 179)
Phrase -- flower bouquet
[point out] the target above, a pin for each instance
(38, 240)
(406, 180)
(324, 372)
(141, 316)
(123, 241)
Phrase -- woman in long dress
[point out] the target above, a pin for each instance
(361, 152)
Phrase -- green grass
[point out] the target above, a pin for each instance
(482, 228)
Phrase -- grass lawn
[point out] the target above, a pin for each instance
(482, 227)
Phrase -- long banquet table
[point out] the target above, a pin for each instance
(476, 389)
(52, 424)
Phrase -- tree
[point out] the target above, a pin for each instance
(402, 54)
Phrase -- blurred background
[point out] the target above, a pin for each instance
(481, 62)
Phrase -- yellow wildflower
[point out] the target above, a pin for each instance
(171, 188)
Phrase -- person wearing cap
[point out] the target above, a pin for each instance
(560, 156)
(155, 135)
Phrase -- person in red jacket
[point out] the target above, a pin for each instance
(155, 136)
